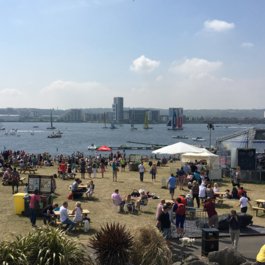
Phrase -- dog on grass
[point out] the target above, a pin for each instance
(187, 241)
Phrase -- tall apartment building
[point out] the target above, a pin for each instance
(117, 109)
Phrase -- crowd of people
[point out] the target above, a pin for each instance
(194, 176)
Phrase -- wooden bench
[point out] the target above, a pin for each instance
(257, 209)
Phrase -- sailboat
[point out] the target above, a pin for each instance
(132, 124)
(51, 127)
(146, 122)
(104, 119)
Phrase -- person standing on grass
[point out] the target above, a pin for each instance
(141, 169)
(153, 172)
(164, 223)
(243, 203)
(172, 184)
(180, 209)
(209, 207)
(114, 170)
(34, 205)
(15, 180)
(234, 228)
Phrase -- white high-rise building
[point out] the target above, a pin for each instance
(117, 109)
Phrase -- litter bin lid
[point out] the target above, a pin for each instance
(209, 230)
(19, 194)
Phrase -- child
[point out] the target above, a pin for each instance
(90, 189)
(86, 221)
(78, 213)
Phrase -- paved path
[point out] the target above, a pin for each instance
(248, 246)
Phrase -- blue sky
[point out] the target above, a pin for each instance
(154, 53)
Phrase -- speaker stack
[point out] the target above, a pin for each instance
(210, 240)
(246, 158)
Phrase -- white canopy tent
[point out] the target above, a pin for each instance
(178, 148)
(212, 159)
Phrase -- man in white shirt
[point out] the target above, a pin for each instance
(141, 171)
(64, 217)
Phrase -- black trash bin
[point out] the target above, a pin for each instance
(210, 240)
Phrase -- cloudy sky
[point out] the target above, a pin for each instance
(154, 53)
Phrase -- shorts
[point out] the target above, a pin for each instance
(180, 219)
(171, 190)
(244, 209)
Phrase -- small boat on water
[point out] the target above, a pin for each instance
(35, 126)
(180, 137)
(198, 139)
(92, 147)
(55, 135)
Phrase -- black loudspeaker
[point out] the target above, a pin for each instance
(246, 158)
(210, 240)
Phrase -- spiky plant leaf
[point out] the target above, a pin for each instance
(112, 244)
(150, 248)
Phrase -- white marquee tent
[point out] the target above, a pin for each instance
(178, 148)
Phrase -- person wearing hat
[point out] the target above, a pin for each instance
(164, 223)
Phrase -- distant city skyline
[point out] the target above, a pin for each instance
(153, 53)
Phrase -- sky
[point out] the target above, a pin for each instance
(193, 54)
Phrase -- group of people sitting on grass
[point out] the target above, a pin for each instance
(131, 203)
(78, 192)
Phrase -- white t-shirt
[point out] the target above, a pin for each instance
(141, 168)
(63, 214)
(202, 191)
(243, 202)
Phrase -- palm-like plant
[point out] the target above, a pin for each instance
(50, 246)
(44, 246)
(112, 244)
(150, 248)
(11, 255)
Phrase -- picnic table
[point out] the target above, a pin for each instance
(27, 169)
(220, 194)
(57, 213)
(259, 207)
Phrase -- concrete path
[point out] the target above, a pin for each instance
(248, 246)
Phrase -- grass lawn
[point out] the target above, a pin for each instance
(102, 209)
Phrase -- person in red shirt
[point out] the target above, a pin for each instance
(240, 192)
(209, 207)
(34, 201)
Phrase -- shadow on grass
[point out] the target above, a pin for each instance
(223, 206)
(147, 212)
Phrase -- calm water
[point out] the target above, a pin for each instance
(77, 136)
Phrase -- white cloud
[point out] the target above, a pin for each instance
(218, 25)
(196, 67)
(72, 94)
(60, 86)
(10, 92)
(143, 64)
(247, 44)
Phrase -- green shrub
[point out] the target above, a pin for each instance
(44, 246)
(150, 248)
(11, 255)
(112, 245)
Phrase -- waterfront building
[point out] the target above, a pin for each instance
(117, 109)
(74, 115)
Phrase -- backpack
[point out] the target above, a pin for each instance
(181, 210)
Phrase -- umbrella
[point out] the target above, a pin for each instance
(104, 148)
(178, 148)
